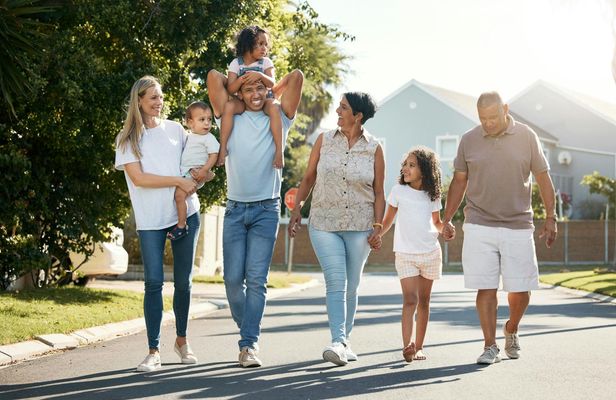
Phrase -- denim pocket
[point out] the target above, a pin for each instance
(271, 205)
(229, 209)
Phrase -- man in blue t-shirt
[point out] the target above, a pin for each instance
(253, 201)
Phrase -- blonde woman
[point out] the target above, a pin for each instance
(149, 151)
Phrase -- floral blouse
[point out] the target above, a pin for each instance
(343, 195)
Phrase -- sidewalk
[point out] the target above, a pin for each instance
(206, 299)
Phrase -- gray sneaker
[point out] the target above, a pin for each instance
(490, 355)
(248, 358)
(150, 363)
(512, 344)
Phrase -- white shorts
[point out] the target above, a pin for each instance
(489, 253)
(428, 265)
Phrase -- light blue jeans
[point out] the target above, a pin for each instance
(342, 256)
(249, 235)
(152, 245)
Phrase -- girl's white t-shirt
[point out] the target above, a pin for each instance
(161, 149)
(415, 232)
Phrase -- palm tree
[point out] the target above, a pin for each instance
(20, 27)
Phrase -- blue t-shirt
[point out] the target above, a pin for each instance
(250, 173)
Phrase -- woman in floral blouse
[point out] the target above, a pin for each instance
(347, 171)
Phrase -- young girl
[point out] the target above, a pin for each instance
(198, 158)
(251, 65)
(418, 253)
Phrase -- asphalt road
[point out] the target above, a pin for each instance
(568, 352)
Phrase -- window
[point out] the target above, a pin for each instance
(447, 147)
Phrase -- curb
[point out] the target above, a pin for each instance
(45, 344)
(580, 293)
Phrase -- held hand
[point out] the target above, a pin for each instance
(202, 175)
(251, 76)
(449, 231)
(188, 185)
(374, 240)
(295, 222)
(549, 231)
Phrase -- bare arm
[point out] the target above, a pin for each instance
(293, 93)
(455, 194)
(379, 197)
(144, 179)
(546, 189)
(305, 187)
(388, 220)
(436, 220)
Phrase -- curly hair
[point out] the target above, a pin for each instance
(430, 168)
(247, 39)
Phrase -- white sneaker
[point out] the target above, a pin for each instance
(248, 358)
(350, 354)
(512, 343)
(185, 353)
(150, 363)
(336, 353)
(490, 355)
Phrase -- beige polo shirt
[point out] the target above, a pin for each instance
(499, 180)
(343, 195)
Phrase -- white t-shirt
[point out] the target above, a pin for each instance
(235, 65)
(197, 150)
(415, 232)
(161, 149)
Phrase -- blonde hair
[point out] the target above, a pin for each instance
(133, 124)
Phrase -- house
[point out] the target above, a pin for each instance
(578, 133)
(421, 114)
(583, 131)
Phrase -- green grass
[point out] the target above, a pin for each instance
(29, 313)
(277, 280)
(603, 283)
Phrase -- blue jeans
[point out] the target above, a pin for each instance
(249, 235)
(342, 256)
(152, 243)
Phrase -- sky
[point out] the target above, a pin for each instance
(473, 46)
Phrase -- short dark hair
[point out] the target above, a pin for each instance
(361, 102)
(487, 99)
(247, 39)
(192, 106)
(430, 168)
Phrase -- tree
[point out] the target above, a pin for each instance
(20, 31)
(61, 190)
(603, 185)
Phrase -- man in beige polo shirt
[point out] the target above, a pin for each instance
(493, 167)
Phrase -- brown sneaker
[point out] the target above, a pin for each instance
(248, 358)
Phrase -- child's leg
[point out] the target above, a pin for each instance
(409, 305)
(280, 86)
(180, 204)
(231, 108)
(423, 314)
(273, 111)
(217, 91)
